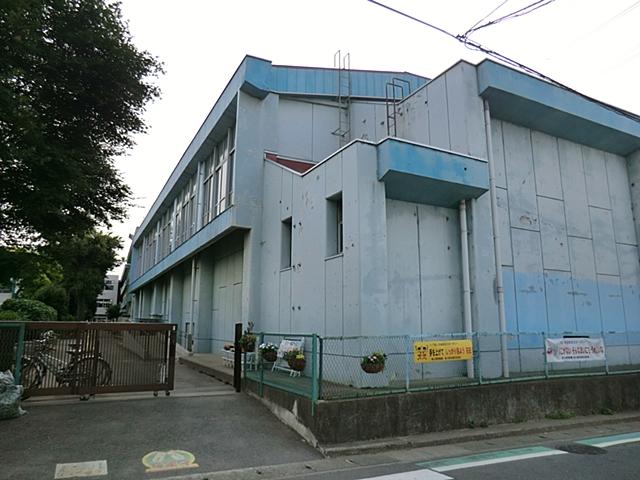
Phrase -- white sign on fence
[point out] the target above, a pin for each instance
(574, 349)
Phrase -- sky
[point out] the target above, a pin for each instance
(590, 45)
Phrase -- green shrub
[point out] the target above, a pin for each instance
(10, 316)
(55, 296)
(30, 310)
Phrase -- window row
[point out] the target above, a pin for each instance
(211, 187)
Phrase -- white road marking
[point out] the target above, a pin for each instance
(81, 469)
(414, 475)
(492, 461)
(611, 440)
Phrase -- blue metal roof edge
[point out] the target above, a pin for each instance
(588, 120)
(258, 77)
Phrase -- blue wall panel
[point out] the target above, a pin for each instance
(560, 308)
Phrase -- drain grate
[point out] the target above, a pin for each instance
(580, 449)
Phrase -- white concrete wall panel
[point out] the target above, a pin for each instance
(585, 288)
(546, 165)
(403, 266)
(270, 247)
(620, 196)
(595, 172)
(294, 129)
(438, 113)
(529, 284)
(612, 308)
(604, 241)
(574, 189)
(311, 252)
(553, 232)
(498, 153)
(523, 208)
(363, 121)
(285, 305)
(372, 245)
(323, 141)
(440, 268)
(502, 197)
(466, 122)
(286, 198)
(334, 322)
(633, 170)
(333, 176)
(630, 283)
(560, 304)
(380, 122)
(351, 237)
(413, 117)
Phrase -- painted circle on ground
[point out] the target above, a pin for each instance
(158, 461)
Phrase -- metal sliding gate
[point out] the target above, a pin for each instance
(77, 358)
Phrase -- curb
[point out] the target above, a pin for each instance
(470, 435)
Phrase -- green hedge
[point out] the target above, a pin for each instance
(30, 310)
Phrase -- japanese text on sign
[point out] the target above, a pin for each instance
(443, 351)
(574, 349)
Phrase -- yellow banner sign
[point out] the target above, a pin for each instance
(442, 351)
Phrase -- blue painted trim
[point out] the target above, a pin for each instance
(211, 232)
(528, 101)
(424, 174)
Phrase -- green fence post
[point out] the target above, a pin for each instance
(544, 353)
(321, 366)
(314, 373)
(407, 364)
(260, 366)
(19, 353)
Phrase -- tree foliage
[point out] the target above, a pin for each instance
(85, 260)
(73, 88)
(30, 310)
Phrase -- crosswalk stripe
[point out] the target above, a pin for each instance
(489, 458)
(611, 440)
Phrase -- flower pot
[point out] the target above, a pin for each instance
(269, 355)
(372, 367)
(297, 364)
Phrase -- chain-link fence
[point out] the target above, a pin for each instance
(426, 362)
(294, 366)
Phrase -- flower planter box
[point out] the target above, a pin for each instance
(372, 367)
(270, 355)
(297, 364)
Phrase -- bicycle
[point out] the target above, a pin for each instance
(78, 371)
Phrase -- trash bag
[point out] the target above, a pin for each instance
(10, 395)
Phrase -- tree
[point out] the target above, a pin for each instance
(113, 312)
(85, 260)
(73, 88)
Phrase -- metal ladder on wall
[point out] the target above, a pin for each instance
(343, 66)
(395, 92)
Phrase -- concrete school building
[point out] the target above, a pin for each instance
(358, 203)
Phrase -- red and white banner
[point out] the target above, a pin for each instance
(574, 349)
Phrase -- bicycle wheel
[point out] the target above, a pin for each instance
(30, 376)
(84, 369)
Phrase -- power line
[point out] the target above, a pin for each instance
(515, 14)
(507, 60)
(485, 17)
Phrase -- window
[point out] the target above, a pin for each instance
(334, 225)
(218, 179)
(285, 255)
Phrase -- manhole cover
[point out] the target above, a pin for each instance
(580, 449)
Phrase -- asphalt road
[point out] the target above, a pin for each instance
(222, 432)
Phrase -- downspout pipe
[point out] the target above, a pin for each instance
(466, 284)
(192, 301)
(496, 242)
